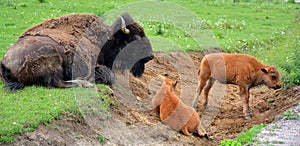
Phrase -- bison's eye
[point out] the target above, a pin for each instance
(274, 77)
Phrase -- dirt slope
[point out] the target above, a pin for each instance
(227, 123)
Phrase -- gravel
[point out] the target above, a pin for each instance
(285, 131)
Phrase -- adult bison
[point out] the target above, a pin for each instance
(76, 46)
(239, 69)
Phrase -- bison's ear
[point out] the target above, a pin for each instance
(264, 70)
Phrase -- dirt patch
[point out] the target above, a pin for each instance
(67, 130)
(227, 122)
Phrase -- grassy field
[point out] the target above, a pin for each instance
(268, 30)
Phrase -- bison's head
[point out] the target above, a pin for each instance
(128, 48)
(271, 77)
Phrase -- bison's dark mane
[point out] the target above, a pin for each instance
(118, 41)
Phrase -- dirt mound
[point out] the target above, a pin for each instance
(229, 121)
(226, 122)
(67, 130)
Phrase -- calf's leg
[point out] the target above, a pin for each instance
(185, 131)
(204, 76)
(244, 94)
(207, 88)
(201, 132)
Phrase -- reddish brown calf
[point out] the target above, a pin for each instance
(239, 69)
(176, 114)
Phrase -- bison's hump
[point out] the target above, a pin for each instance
(69, 30)
(64, 23)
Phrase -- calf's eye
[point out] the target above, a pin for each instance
(274, 77)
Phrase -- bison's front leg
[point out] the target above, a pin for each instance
(104, 75)
(244, 94)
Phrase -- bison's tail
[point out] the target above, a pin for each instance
(5, 74)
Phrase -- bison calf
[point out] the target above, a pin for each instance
(176, 114)
(239, 69)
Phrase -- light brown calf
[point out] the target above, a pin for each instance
(176, 114)
(239, 69)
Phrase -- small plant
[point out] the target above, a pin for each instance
(6, 24)
(276, 127)
(291, 115)
(160, 30)
(291, 70)
(270, 100)
(101, 138)
(219, 35)
(244, 138)
(41, 1)
(248, 136)
(291, 1)
(229, 142)
(22, 4)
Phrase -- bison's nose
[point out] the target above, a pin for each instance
(148, 58)
(151, 56)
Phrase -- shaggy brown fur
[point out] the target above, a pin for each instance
(69, 47)
(176, 114)
(239, 69)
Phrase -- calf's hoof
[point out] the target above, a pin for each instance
(206, 136)
(207, 109)
(198, 135)
(248, 116)
(195, 104)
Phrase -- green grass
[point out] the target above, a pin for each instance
(290, 115)
(101, 138)
(24, 110)
(245, 138)
(268, 30)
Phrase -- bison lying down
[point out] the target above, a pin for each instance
(176, 114)
(239, 69)
(76, 46)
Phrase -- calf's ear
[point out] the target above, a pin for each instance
(264, 70)
(174, 84)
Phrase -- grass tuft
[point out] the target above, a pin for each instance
(101, 139)
(245, 138)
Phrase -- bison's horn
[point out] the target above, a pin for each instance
(123, 26)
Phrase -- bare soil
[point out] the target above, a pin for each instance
(227, 123)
